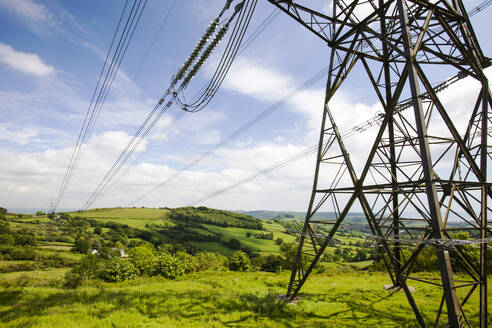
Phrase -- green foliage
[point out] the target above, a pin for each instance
(3, 211)
(18, 253)
(264, 235)
(210, 261)
(234, 244)
(215, 217)
(269, 263)
(5, 228)
(187, 261)
(6, 239)
(169, 267)
(143, 259)
(25, 238)
(116, 269)
(289, 253)
(239, 261)
(81, 245)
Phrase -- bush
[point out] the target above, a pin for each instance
(169, 267)
(234, 243)
(273, 263)
(16, 267)
(239, 261)
(6, 239)
(143, 259)
(210, 261)
(64, 239)
(116, 269)
(187, 261)
(87, 268)
(25, 239)
(23, 254)
(81, 245)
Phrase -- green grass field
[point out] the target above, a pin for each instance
(133, 217)
(139, 217)
(122, 213)
(220, 299)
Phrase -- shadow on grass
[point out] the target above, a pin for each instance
(194, 305)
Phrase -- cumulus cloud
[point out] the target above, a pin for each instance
(24, 62)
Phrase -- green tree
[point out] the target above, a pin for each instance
(273, 263)
(169, 267)
(3, 211)
(117, 269)
(289, 253)
(279, 241)
(239, 261)
(234, 243)
(5, 228)
(81, 245)
(25, 238)
(6, 239)
(143, 259)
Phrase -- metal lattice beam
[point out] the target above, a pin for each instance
(406, 188)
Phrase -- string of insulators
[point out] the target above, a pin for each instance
(199, 46)
(206, 53)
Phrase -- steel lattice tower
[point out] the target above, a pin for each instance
(423, 172)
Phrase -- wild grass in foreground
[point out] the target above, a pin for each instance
(219, 299)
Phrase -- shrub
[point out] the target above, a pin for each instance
(25, 239)
(116, 269)
(81, 245)
(143, 259)
(210, 261)
(187, 261)
(16, 267)
(23, 254)
(87, 268)
(239, 261)
(273, 263)
(234, 243)
(169, 267)
(64, 239)
(6, 239)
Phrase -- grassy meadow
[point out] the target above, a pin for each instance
(220, 299)
(39, 253)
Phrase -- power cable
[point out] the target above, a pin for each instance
(403, 105)
(354, 130)
(155, 114)
(243, 47)
(100, 90)
(270, 110)
(155, 38)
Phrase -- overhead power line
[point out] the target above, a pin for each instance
(258, 30)
(243, 11)
(403, 105)
(270, 110)
(104, 82)
(159, 31)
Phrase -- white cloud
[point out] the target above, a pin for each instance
(29, 10)
(24, 62)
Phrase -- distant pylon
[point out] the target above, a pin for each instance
(425, 169)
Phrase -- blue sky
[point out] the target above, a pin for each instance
(51, 53)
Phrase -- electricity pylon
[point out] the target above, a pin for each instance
(426, 173)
